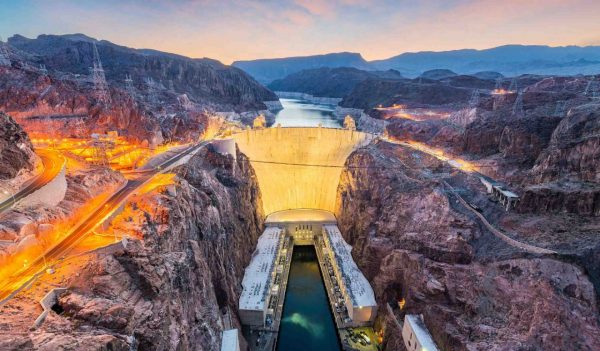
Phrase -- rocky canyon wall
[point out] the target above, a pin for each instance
(423, 254)
(181, 270)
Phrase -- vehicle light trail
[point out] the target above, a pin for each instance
(11, 284)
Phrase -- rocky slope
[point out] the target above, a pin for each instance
(541, 140)
(328, 82)
(204, 81)
(447, 91)
(165, 90)
(416, 245)
(16, 151)
(168, 289)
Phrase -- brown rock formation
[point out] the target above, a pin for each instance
(167, 290)
(16, 151)
(415, 245)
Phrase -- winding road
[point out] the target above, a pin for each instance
(9, 286)
(53, 163)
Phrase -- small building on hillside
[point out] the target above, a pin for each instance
(415, 334)
(506, 197)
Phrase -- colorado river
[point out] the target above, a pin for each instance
(299, 113)
(307, 322)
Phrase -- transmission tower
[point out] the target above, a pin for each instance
(513, 85)
(184, 102)
(98, 78)
(518, 106)
(43, 70)
(498, 83)
(151, 89)
(474, 100)
(129, 85)
(592, 88)
(4, 54)
(561, 106)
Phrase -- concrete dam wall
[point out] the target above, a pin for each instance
(299, 167)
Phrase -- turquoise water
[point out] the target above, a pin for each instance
(299, 113)
(307, 322)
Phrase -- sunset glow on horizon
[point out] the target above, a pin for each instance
(240, 30)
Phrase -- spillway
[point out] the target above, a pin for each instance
(299, 167)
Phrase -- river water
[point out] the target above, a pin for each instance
(300, 113)
(307, 322)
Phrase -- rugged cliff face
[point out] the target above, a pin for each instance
(16, 151)
(68, 107)
(417, 245)
(169, 288)
(204, 81)
(164, 91)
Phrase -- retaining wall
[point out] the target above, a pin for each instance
(50, 194)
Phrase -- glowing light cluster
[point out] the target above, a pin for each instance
(116, 152)
(414, 114)
(440, 154)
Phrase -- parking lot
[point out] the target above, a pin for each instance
(362, 339)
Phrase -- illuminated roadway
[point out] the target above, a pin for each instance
(11, 285)
(53, 163)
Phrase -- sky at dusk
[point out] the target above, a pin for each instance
(230, 30)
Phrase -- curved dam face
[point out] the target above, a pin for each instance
(299, 167)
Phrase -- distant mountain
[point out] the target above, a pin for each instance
(328, 82)
(510, 60)
(488, 75)
(437, 74)
(205, 81)
(268, 70)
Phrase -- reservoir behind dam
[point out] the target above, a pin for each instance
(300, 113)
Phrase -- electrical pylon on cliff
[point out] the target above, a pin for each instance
(129, 85)
(518, 109)
(98, 78)
(185, 102)
(151, 90)
(514, 86)
(4, 54)
(43, 70)
(592, 89)
(561, 107)
(498, 84)
(474, 100)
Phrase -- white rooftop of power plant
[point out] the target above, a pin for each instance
(358, 286)
(230, 340)
(258, 273)
(421, 332)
